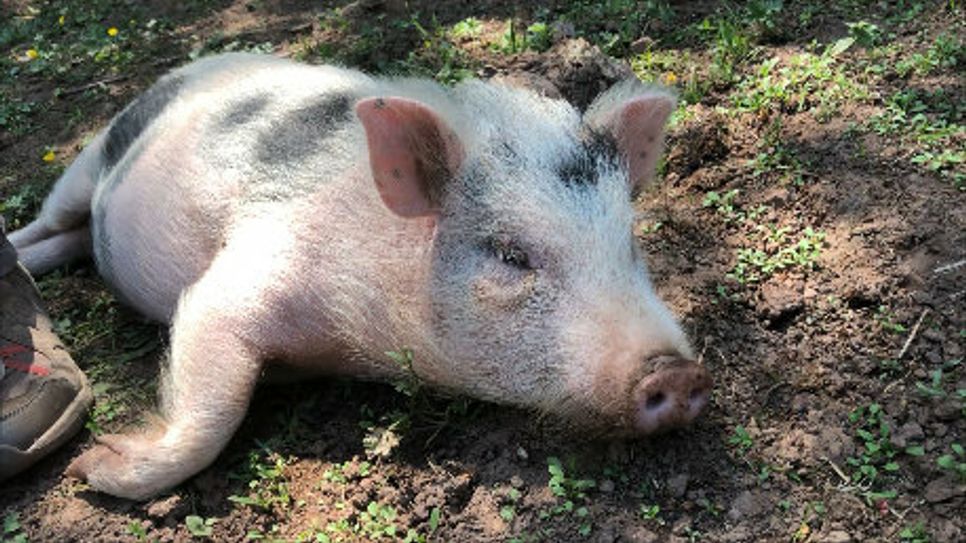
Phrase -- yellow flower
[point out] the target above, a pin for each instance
(31, 54)
(49, 156)
(60, 21)
(112, 31)
(670, 78)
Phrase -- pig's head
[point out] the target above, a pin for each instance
(539, 295)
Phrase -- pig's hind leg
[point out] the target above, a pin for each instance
(60, 232)
(216, 357)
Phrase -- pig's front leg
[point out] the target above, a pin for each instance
(216, 358)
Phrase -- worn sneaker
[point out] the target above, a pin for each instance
(44, 396)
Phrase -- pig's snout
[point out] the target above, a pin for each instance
(671, 395)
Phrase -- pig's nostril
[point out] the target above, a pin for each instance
(655, 400)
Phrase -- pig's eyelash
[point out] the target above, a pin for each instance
(509, 253)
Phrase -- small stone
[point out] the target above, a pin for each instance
(948, 411)
(836, 536)
(642, 44)
(522, 454)
(801, 402)
(678, 485)
(607, 534)
(606, 486)
(943, 489)
(516, 482)
(907, 433)
(745, 505)
(170, 506)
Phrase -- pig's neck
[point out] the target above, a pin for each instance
(367, 274)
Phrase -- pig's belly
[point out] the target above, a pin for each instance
(153, 238)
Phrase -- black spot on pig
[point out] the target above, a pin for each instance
(129, 125)
(242, 112)
(595, 153)
(300, 132)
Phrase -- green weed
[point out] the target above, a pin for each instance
(956, 462)
(571, 493)
(200, 527)
(12, 530)
(806, 82)
(754, 265)
(264, 477)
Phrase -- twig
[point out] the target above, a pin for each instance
(93, 84)
(912, 335)
(950, 267)
(838, 471)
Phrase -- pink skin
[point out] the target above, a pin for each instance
(320, 293)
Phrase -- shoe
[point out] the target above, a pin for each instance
(44, 396)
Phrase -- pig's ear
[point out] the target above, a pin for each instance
(412, 153)
(637, 125)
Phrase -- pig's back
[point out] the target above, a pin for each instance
(217, 140)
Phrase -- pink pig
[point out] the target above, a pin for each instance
(275, 212)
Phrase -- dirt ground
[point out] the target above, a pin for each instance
(808, 228)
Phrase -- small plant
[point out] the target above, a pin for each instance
(377, 521)
(956, 462)
(266, 481)
(571, 491)
(12, 530)
(934, 388)
(914, 534)
(200, 527)
(137, 529)
(865, 33)
(754, 265)
(467, 28)
(886, 319)
(876, 459)
(803, 82)
(652, 513)
(509, 510)
(536, 37)
(741, 439)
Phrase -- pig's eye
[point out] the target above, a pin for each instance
(510, 254)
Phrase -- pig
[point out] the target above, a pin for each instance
(279, 213)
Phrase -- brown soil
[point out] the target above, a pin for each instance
(792, 354)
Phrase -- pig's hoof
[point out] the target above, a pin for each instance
(117, 465)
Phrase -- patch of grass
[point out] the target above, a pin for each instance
(675, 69)
(724, 204)
(887, 320)
(265, 479)
(778, 253)
(652, 514)
(914, 534)
(930, 128)
(935, 387)
(439, 56)
(865, 34)
(571, 493)
(15, 115)
(613, 25)
(945, 53)
(805, 82)
(508, 511)
(956, 462)
(200, 527)
(12, 530)
(776, 157)
(22, 206)
(875, 463)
